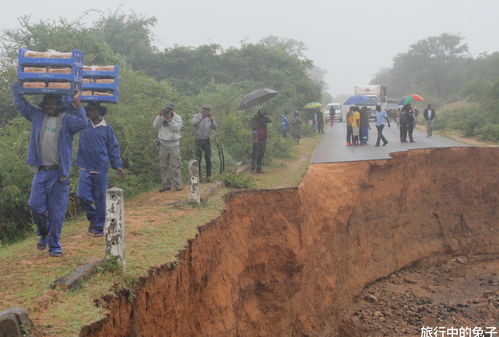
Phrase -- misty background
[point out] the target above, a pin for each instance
(350, 41)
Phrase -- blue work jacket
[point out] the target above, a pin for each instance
(97, 148)
(71, 124)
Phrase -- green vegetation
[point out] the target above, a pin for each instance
(149, 78)
(441, 69)
(234, 180)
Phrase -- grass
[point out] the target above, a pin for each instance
(155, 233)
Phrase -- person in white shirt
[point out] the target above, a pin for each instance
(169, 124)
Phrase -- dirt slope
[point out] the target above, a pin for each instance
(289, 262)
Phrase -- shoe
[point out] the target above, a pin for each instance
(384, 144)
(98, 234)
(57, 254)
(180, 188)
(377, 145)
(42, 243)
(412, 141)
(164, 189)
(91, 229)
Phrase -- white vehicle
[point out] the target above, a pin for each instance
(338, 116)
(376, 92)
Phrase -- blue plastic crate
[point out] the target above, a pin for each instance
(76, 59)
(74, 76)
(102, 74)
(101, 86)
(103, 99)
(50, 91)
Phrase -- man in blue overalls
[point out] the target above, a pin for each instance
(50, 153)
(97, 148)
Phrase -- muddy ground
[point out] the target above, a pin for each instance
(444, 291)
(420, 231)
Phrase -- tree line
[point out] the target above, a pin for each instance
(442, 70)
(149, 78)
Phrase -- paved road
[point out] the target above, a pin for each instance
(332, 146)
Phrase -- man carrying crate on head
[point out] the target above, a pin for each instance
(50, 153)
(97, 148)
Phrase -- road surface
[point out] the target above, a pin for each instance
(332, 147)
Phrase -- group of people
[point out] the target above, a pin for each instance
(169, 123)
(357, 121)
(50, 155)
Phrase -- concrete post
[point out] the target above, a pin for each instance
(194, 195)
(114, 229)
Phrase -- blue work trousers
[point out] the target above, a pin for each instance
(91, 193)
(48, 202)
(364, 134)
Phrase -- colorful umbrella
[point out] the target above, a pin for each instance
(312, 105)
(410, 98)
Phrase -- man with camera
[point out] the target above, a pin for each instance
(203, 122)
(169, 124)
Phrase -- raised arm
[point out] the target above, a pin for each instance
(22, 105)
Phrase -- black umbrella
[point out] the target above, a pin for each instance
(256, 97)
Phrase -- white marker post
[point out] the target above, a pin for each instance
(194, 195)
(114, 229)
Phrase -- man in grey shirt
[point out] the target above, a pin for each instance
(169, 124)
(203, 122)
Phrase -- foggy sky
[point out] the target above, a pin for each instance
(350, 39)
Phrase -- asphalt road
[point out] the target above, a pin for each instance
(332, 147)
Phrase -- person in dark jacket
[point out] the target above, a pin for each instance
(50, 153)
(296, 127)
(429, 115)
(320, 121)
(406, 122)
(259, 130)
(364, 126)
(98, 147)
(203, 123)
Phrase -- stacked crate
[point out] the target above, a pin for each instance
(100, 84)
(56, 73)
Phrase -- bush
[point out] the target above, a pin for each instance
(237, 180)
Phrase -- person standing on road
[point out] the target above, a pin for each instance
(97, 148)
(406, 119)
(332, 112)
(284, 124)
(381, 119)
(429, 115)
(203, 123)
(320, 121)
(349, 122)
(356, 126)
(50, 153)
(364, 126)
(169, 124)
(296, 127)
(259, 130)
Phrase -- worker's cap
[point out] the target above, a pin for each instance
(169, 107)
(297, 112)
(207, 106)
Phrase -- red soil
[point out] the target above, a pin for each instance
(290, 262)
